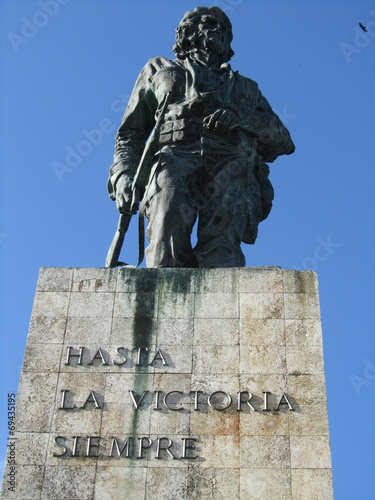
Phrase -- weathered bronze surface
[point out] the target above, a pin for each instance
(211, 133)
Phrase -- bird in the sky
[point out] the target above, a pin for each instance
(363, 27)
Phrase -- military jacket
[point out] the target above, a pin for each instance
(188, 92)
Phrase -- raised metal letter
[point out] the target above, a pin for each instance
(165, 400)
(70, 355)
(99, 355)
(159, 355)
(124, 357)
(196, 399)
(63, 398)
(157, 397)
(60, 445)
(142, 446)
(239, 395)
(92, 399)
(265, 407)
(170, 443)
(126, 447)
(219, 392)
(135, 402)
(186, 446)
(139, 349)
(285, 401)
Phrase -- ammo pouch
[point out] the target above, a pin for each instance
(179, 130)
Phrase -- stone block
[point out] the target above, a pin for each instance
(176, 305)
(136, 305)
(300, 282)
(255, 331)
(31, 448)
(263, 423)
(303, 332)
(224, 280)
(46, 329)
(301, 306)
(139, 281)
(220, 451)
(309, 419)
(166, 483)
(175, 331)
(91, 305)
(168, 355)
(217, 305)
(116, 482)
(208, 484)
(214, 331)
(276, 384)
(41, 357)
(85, 331)
(216, 359)
(262, 359)
(260, 280)
(318, 456)
(69, 483)
(172, 283)
(262, 305)
(314, 484)
(265, 452)
(211, 382)
(28, 485)
(209, 420)
(179, 359)
(49, 304)
(259, 484)
(308, 389)
(54, 279)
(305, 359)
(96, 280)
(35, 401)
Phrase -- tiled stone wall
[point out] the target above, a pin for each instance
(230, 330)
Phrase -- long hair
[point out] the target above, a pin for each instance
(187, 34)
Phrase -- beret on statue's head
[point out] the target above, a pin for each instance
(186, 37)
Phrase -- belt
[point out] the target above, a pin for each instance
(179, 130)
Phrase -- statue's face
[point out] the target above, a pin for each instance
(213, 34)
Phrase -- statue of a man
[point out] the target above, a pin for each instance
(213, 133)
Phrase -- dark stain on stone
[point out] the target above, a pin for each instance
(145, 284)
(145, 287)
(178, 280)
(98, 284)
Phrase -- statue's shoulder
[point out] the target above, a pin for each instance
(246, 83)
(249, 89)
(160, 62)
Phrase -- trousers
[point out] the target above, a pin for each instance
(215, 186)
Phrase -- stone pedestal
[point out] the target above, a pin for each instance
(172, 384)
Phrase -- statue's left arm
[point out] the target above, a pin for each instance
(255, 115)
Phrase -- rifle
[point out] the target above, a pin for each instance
(141, 178)
(116, 245)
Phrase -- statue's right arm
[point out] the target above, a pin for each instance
(136, 126)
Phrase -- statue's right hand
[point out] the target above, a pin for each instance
(124, 193)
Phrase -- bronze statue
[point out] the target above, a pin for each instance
(211, 133)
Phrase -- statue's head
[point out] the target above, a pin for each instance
(206, 28)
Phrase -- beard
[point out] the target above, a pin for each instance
(213, 44)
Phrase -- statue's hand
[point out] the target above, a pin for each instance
(124, 193)
(221, 121)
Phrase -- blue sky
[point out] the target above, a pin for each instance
(68, 70)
